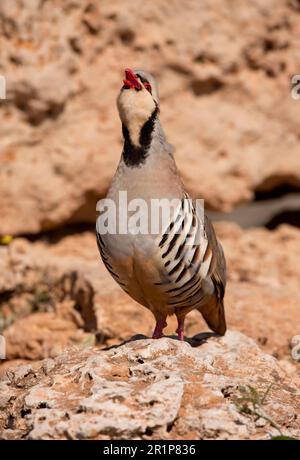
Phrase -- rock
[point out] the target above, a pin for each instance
(263, 297)
(45, 306)
(60, 132)
(42, 334)
(147, 389)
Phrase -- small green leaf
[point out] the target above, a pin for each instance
(254, 394)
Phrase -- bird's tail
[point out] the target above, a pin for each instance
(215, 317)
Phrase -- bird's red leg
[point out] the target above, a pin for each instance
(180, 329)
(158, 331)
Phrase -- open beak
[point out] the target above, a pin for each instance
(131, 80)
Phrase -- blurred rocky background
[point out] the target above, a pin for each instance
(224, 70)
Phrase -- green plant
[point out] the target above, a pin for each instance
(251, 402)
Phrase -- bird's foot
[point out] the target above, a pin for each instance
(158, 331)
(180, 329)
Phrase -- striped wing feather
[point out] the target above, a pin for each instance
(194, 267)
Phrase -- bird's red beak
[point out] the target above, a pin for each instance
(131, 80)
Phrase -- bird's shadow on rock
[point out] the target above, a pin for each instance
(200, 339)
(195, 341)
(132, 339)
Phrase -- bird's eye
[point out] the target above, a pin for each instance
(148, 87)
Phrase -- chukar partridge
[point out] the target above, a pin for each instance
(182, 267)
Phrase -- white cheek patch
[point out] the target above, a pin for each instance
(135, 107)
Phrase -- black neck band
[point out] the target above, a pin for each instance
(136, 155)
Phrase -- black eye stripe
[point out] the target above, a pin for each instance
(143, 80)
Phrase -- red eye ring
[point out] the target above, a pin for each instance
(148, 87)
